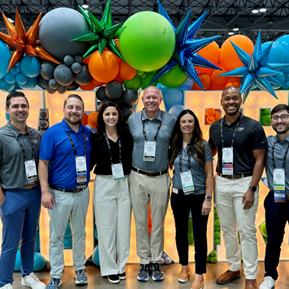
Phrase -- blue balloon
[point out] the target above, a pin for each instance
(7, 116)
(6, 86)
(95, 233)
(95, 256)
(30, 84)
(39, 262)
(188, 83)
(5, 58)
(37, 243)
(172, 96)
(176, 110)
(286, 84)
(277, 52)
(17, 266)
(284, 42)
(10, 78)
(15, 70)
(67, 242)
(21, 78)
(68, 232)
(30, 66)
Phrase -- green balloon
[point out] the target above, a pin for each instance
(214, 260)
(144, 75)
(217, 223)
(147, 41)
(217, 241)
(208, 259)
(191, 238)
(265, 111)
(190, 225)
(174, 78)
(265, 119)
(217, 235)
(263, 229)
(146, 81)
(217, 228)
(214, 253)
(138, 72)
(133, 83)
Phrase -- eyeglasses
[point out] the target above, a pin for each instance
(282, 117)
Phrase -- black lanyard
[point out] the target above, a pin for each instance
(22, 148)
(143, 127)
(74, 150)
(109, 148)
(180, 161)
(284, 159)
(233, 138)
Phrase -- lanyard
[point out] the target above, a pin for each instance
(143, 127)
(233, 138)
(22, 148)
(284, 159)
(109, 148)
(74, 150)
(180, 162)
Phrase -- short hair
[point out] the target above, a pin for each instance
(279, 107)
(73, 96)
(15, 94)
(231, 87)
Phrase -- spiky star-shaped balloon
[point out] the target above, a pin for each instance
(23, 42)
(256, 70)
(185, 54)
(102, 33)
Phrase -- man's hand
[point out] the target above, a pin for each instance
(47, 200)
(248, 200)
(207, 205)
(2, 198)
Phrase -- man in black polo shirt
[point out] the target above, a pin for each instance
(241, 146)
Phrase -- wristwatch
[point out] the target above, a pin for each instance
(208, 197)
(253, 188)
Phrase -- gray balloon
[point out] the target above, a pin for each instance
(56, 30)
(47, 69)
(43, 114)
(43, 124)
(126, 112)
(53, 83)
(100, 93)
(83, 77)
(120, 102)
(130, 96)
(76, 67)
(61, 89)
(43, 83)
(78, 59)
(114, 90)
(68, 60)
(73, 86)
(63, 75)
(50, 90)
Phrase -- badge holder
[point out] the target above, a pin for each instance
(279, 186)
(31, 172)
(227, 161)
(187, 183)
(117, 172)
(81, 172)
(149, 151)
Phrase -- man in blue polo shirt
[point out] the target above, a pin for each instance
(64, 176)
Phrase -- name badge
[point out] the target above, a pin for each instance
(227, 161)
(31, 172)
(279, 186)
(187, 183)
(117, 172)
(149, 151)
(80, 172)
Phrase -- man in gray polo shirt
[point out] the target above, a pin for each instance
(20, 195)
(149, 180)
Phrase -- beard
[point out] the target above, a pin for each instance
(286, 129)
(73, 122)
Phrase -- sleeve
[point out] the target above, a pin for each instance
(211, 141)
(47, 146)
(208, 153)
(259, 137)
(94, 154)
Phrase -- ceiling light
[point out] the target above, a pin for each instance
(236, 28)
(255, 10)
(85, 6)
(11, 20)
(263, 9)
(231, 33)
(270, 20)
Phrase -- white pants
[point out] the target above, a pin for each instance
(228, 195)
(112, 209)
(66, 204)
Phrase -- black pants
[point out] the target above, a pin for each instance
(181, 206)
(277, 215)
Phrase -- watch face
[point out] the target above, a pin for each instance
(208, 197)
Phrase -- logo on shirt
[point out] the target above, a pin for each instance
(239, 129)
(86, 138)
(34, 141)
(164, 127)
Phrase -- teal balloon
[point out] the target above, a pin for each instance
(15, 70)
(5, 58)
(10, 78)
(284, 42)
(30, 84)
(95, 256)
(95, 233)
(176, 110)
(171, 97)
(21, 79)
(68, 232)
(30, 66)
(67, 242)
(37, 243)
(39, 262)
(17, 266)
(6, 86)
(147, 41)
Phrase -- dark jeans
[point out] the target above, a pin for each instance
(181, 206)
(277, 214)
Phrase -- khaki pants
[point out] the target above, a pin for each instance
(153, 190)
(229, 194)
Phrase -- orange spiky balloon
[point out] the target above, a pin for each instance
(23, 42)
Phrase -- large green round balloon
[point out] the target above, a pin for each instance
(133, 83)
(174, 78)
(147, 41)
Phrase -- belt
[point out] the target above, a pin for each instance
(234, 176)
(29, 187)
(149, 174)
(287, 197)
(67, 191)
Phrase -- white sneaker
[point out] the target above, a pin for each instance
(32, 281)
(7, 286)
(267, 283)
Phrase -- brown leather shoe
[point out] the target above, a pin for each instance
(228, 277)
(251, 284)
(184, 275)
(198, 284)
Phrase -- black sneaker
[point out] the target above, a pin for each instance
(158, 274)
(143, 273)
(122, 276)
(113, 279)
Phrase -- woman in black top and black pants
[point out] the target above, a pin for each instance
(111, 153)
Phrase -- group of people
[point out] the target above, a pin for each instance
(131, 166)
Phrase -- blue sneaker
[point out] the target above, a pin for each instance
(158, 274)
(80, 277)
(53, 283)
(143, 273)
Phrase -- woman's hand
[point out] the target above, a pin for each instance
(207, 205)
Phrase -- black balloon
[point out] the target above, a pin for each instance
(43, 124)
(43, 114)
(83, 77)
(47, 69)
(126, 112)
(43, 83)
(72, 86)
(50, 90)
(120, 102)
(63, 75)
(100, 93)
(62, 89)
(114, 90)
(130, 97)
(53, 83)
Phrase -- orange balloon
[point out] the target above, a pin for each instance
(196, 87)
(228, 56)
(126, 72)
(92, 119)
(210, 111)
(84, 119)
(217, 114)
(215, 79)
(210, 119)
(119, 79)
(211, 52)
(96, 82)
(205, 79)
(89, 86)
(104, 67)
(237, 84)
(228, 84)
(217, 87)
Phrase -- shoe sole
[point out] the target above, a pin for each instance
(233, 279)
(60, 283)
(143, 279)
(81, 282)
(122, 278)
(183, 280)
(113, 282)
(158, 279)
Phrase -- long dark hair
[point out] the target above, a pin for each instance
(196, 147)
(100, 122)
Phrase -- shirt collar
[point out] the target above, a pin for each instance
(68, 128)
(276, 139)
(144, 116)
(11, 127)
(233, 123)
